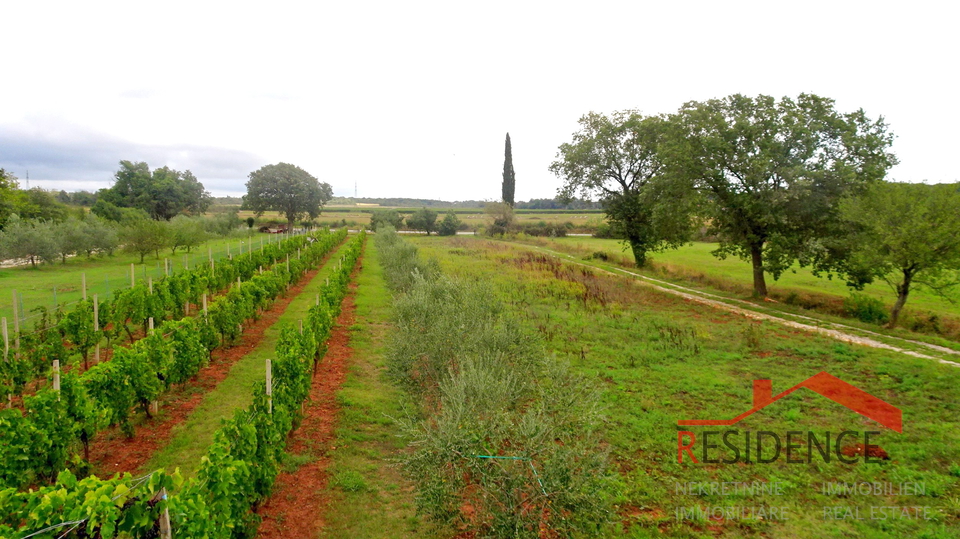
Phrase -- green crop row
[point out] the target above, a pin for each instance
(42, 439)
(236, 474)
(506, 442)
(160, 300)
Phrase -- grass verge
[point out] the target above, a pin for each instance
(370, 499)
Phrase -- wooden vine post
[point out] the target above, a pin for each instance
(16, 327)
(269, 387)
(56, 377)
(166, 532)
(133, 276)
(83, 284)
(96, 327)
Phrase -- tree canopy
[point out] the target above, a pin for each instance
(618, 158)
(287, 189)
(509, 176)
(162, 194)
(423, 219)
(772, 172)
(906, 234)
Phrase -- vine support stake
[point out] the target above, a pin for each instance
(269, 387)
(166, 531)
(166, 267)
(301, 326)
(16, 325)
(56, 376)
(150, 324)
(204, 304)
(133, 276)
(83, 284)
(318, 296)
(186, 263)
(96, 327)
(150, 285)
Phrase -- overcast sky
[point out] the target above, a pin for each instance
(414, 99)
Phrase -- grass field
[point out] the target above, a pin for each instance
(660, 359)
(58, 284)
(471, 217)
(693, 264)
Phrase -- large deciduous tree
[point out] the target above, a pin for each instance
(907, 235)
(423, 219)
(162, 194)
(618, 159)
(772, 173)
(287, 189)
(509, 176)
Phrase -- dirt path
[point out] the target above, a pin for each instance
(722, 303)
(295, 509)
(113, 452)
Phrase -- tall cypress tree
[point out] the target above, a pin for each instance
(509, 177)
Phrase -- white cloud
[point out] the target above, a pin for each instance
(414, 98)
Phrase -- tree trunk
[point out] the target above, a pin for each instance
(903, 290)
(639, 252)
(759, 282)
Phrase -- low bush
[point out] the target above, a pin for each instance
(866, 309)
(503, 430)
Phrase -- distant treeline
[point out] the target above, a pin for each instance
(417, 203)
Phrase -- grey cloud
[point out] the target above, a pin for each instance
(77, 159)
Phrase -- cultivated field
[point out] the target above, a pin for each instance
(380, 428)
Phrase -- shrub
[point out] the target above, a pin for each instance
(866, 309)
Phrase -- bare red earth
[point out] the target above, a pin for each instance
(297, 506)
(113, 452)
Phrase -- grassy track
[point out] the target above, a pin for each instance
(661, 359)
(190, 439)
(104, 274)
(370, 498)
(695, 258)
(927, 316)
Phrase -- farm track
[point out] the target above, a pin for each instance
(112, 452)
(833, 330)
(298, 504)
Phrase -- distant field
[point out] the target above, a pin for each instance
(473, 217)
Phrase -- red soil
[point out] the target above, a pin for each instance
(297, 506)
(112, 452)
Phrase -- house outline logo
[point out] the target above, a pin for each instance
(826, 385)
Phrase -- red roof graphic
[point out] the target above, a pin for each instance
(827, 385)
